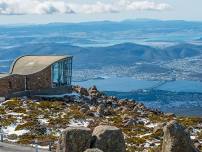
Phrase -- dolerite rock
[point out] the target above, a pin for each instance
(159, 127)
(176, 139)
(93, 150)
(170, 114)
(130, 123)
(83, 91)
(74, 139)
(84, 109)
(101, 109)
(94, 92)
(108, 139)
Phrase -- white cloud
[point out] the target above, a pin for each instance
(133, 5)
(97, 7)
(19, 7)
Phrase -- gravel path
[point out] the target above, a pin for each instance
(4, 147)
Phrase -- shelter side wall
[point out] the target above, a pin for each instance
(40, 80)
(4, 88)
(10, 84)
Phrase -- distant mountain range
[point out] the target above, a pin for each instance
(102, 32)
(104, 43)
(110, 26)
(96, 57)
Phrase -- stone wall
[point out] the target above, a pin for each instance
(9, 84)
(16, 83)
(40, 80)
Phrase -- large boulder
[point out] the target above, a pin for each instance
(176, 139)
(94, 92)
(93, 150)
(81, 90)
(75, 139)
(108, 139)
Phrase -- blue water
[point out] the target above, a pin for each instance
(182, 86)
(128, 84)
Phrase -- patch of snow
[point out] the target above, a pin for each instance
(7, 101)
(193, 137)
(144, 120)
(96, 114)
(2, 99)
(151, 125)
(78, 123)
(11, 130)
(43, 121)
(147, 145)
(15, 114)
(147, 134)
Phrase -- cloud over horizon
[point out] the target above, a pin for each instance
(25, 7)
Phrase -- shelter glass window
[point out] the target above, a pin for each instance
(61, 73)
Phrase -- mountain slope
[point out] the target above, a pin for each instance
(96, 57)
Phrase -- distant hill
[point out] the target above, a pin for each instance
(200, 39)
(110, 26)
(183, 51)
(95, 57)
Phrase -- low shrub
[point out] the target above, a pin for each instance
(12, 104)
(12, 136)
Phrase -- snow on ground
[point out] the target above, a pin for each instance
(145, 120)
(11, 130)
(78, 123)
(151, 125)
(193, 137)
(15, 114)
(147, 134)
(43, 121)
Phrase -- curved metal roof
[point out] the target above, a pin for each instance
(27, 65)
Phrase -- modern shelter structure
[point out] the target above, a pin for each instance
(37, 75)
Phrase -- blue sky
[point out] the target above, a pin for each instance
(46, 11)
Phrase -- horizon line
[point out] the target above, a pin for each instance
(97, 21)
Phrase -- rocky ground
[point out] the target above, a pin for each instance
(43, 118)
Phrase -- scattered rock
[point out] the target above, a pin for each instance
(198, 145)
(176, 139)
(83, 91)
(130, 122)
(83, 110)
(85, 106)
(109, 139)
(159, 127)
(94, 92)
(91, 114)
(125, 117)
(74, 139)
(101, 109)
(12, 136)
(170, 115)
(199, 126)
